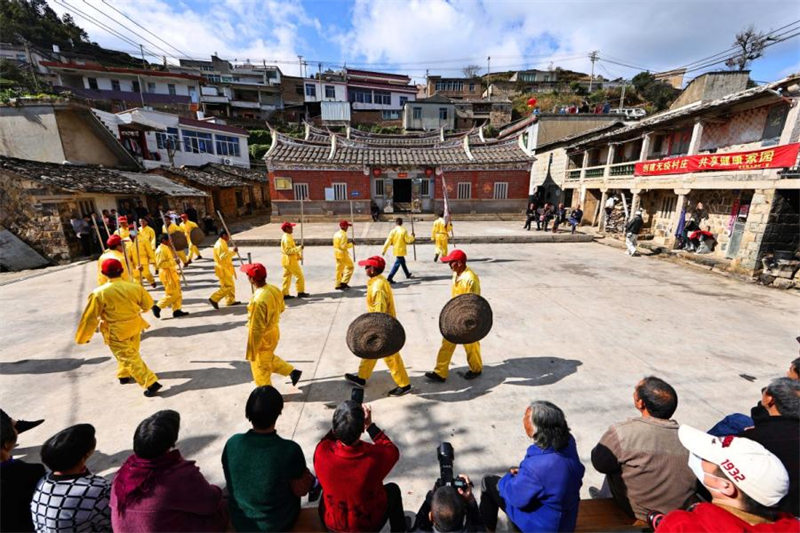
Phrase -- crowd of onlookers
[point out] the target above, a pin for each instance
(741, 475)
(543, 214)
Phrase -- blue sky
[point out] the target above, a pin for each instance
(412, 36)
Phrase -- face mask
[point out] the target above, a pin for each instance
(696, 466)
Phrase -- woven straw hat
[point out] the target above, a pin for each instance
(466, 318)
(375, 335)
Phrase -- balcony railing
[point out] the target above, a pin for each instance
(595, 172)
(622, 169)
(574, 174)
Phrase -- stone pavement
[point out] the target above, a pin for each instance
(574, 323)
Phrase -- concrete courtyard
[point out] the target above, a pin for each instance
(574, 323)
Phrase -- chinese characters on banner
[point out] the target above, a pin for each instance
(777, 157)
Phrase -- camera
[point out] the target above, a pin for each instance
(654, 518)
(446, 456)
(357, 395)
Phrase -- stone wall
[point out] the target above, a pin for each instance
(750, 248)
(782, 230)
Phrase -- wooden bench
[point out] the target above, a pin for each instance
(605, 515)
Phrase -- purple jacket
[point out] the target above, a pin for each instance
(165, 494)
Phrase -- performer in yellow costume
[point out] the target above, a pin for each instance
(148, 233)
(117, 306)
(290, 261)
(140, 255)
(167, 267)
(380, 300)
(187, 226)
(170, 228)
(344, 265)
(123, 230)
(464, 281)
(263, 330)
(224, 270)
(440, 236)
(114, 250)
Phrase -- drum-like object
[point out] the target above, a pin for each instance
(197, 236)
(375, 335)
(179, 240)
(465, 319)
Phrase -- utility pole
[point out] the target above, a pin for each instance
(30, 65)
(300, 60)
(141, 49)
(593, 58)
(319, 80)
(488, 65)
(622, 96)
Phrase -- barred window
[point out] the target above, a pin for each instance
(464, 190)
(500, 190)
(339, 191)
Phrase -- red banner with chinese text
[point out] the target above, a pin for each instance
(777, 157)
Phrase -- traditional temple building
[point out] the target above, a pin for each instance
(400, 173)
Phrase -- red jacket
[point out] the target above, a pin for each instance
(352, 480)
(713, 518)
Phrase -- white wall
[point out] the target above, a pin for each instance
(126, 84)
(340, 91)
(182, 157)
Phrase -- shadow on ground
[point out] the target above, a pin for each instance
(48, 366)
(187, 331)
(226, 375)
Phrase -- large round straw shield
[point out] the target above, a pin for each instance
(197, 236)
(465, 319)
(375, 335)
(179, 240)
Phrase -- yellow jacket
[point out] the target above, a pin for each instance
(398, 238)
(289, 250)
(146, 252)
(223, 257)
(124, 233)
(149, 234)
(171, 229)
(465, 283)
(165, 258)
(379, 296)
(264, 314)
(441, 228)
(111, 254)
(187, 226)
(340, 243)
(117, 306)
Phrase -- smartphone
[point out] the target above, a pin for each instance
(357, 395)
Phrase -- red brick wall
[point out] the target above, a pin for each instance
(483, 183)
(318, 180)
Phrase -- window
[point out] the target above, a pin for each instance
(379, 187)
(171, 89)
(330, 91)
(472, 86)
(227, 145)
(442, 113)
(339, 191)
(450, 85)
(207, 68)
(115, 85)
(776, 118)
(500, 190)
(135, 86)
(151, 87)
(301, 191)
(92, 83)
(417, 113)
(403, 100)
(311, 90)
(383, 97)
(464, 191)
(361, 96)
(197, 143)
(425, 187)
(390, 115)
(213, 78)
(168, 140)
(298, 89)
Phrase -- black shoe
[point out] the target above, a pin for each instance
(355, 380)
(295, 376)
(303, 295)
(433, 376)
(435, 258)
(214, 304)
(471, 375)
(391, 281)
(399, 391)
(125, 381)
(178, 313)
(152, 389)
(410, 275)
(344, 286)
(156, 311)
(25, 425)
(199, 257)
(235, 302)
(287, 296)
(338, 288)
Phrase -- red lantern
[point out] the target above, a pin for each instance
(376, 172)
(531, 102)
(429, 171)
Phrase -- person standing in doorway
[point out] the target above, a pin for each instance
(398, 239)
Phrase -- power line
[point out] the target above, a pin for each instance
(145, 29)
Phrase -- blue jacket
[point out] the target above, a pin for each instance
(545, 494)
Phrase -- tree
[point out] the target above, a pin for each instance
(751, 46)
(471, 71)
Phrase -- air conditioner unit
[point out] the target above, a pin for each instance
(226, 161)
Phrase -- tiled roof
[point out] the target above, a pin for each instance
(212, 126)
(163, 184)
(96, 67)
(206, 179)
(249, 174)
(74, 178)
(693, 109)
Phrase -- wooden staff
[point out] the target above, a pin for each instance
(99, 237)
(352, 231)
(230, 239)
(413, 244)
(302, 218)
(135, 242)
(172, 247)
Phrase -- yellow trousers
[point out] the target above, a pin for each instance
(290, 269)
(446, 353)
(440, 245)
(227, 289)
(194, 253)
(173, 296)
(145, 272)
(344, 269)
(182, 256)
(129, 361)
(267, 362)
(396, 368)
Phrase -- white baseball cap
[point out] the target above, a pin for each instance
(746, 463)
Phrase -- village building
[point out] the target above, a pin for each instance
(400, 173)
(378, 97)
(729, 162)
(456, 88)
